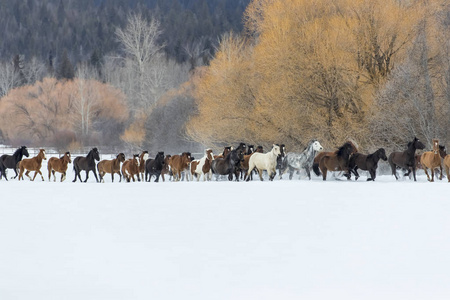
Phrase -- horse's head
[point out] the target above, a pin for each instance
(276, 149)
(316, 146)
(96, 154)
(42, 154)
(121, 157)
(259, 149)
(418, 144)
(136, 159)
(382, 154)
(442, 151)
(144, 156)
(435, 146)
(68, 157)
(282, 150)
(25, 151)
(209, 154)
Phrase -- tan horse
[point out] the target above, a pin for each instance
(110, 166)
(447, 166)
(32, 164)
(130, 168)
(431, 160)
(58, 165)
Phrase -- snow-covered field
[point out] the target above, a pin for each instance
(225, 240)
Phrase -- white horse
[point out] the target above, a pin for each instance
(203, 166)
(304, 160)
(264, 161)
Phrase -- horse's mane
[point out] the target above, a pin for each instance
(341, 150)
(20, 149)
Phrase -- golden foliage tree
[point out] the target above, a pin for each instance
(38, 113)
(307, 69)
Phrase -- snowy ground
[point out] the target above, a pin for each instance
(225, 240)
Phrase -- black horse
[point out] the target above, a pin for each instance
(86, 163)
(366, 163)
(281, 160)
(154, 167)
(228, 165)
(11, 161)
(406, 159)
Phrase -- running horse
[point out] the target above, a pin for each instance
(406, 159)
(264, 161)
(297, 161)
(58, 165)
(32, 164)
(87, 164)
(366, 163)
(337, 161)
(432, 160)
(11, 161)
(130, 168)
(319, 156)
(110, 166)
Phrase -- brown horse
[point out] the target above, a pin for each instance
(58, 165)
(111, 166)
(32, 164)
(130, 168)
(320, 155)
(142, 158)
(225, 152)
(337, 161)
(406, 159)
(447, 166)
(203, 166)
(432, 160)
(180, 163)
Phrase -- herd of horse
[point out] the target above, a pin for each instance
(233, 163)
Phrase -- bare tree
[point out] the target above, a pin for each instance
(8, 78)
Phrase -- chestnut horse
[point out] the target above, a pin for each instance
(180, 163)
(58, 165)
(110, 166)
(142, 159)
(337, 161)
(130, 168)
(432, 160)
(406, 159)
(315, 165)
(32, 164)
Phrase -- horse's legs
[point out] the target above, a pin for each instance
(260, 175)
(432, 175)
(27, 174)
(372, 175)
(324, 173)
(426, 172)
(291, 173)
(414, 173)
(40, 173)
(440, 166)
(95, 175)
(87, 176)
(447, 171)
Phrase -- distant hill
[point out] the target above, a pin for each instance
(85, 28)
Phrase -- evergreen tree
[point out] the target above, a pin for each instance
(65, 69)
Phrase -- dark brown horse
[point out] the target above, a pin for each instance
(58, 165)
(87, 164)
(11, 161)
(130, 168)
(432, 159)
(337, 161)
(366, 163)
(110, 166)
(319, 156)
(32, 164)
(406, 159)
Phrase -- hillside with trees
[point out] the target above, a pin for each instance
(181, 75)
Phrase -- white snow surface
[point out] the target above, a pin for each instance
(284, 239)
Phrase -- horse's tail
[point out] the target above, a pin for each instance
(316, 169)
